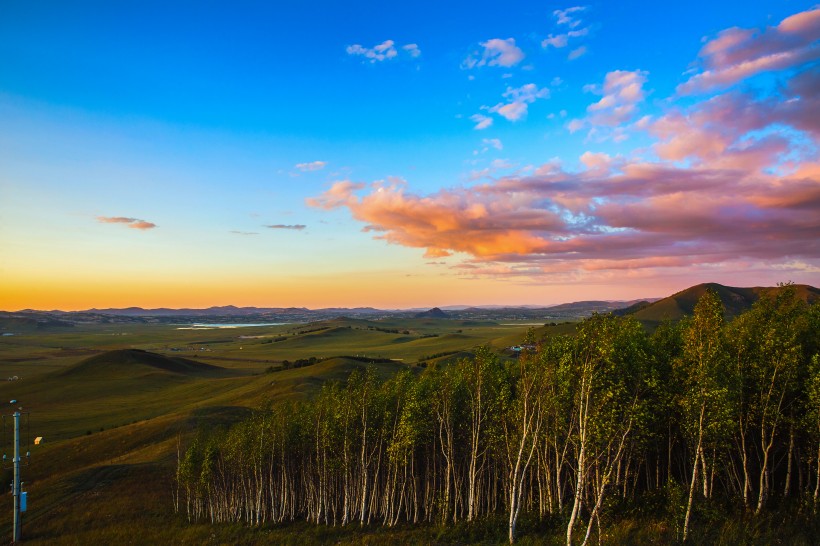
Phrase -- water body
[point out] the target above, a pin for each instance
(209, 326)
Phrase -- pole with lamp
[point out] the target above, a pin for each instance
(20, 496)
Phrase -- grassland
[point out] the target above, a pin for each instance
(113, 401)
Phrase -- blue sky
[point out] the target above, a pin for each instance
(213, 120)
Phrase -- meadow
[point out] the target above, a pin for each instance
(112, 402)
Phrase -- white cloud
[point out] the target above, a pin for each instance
(383, 51)
(493, 142)
(575, 53)
(412, 49)
(567, 17)
(481, 121)
(575, 125)
(613, 116)
(497, 52)
(555, 41)
(518, 101)
(312, 166)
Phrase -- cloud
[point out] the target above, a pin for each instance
(735, 185)
(555, 41)
(495, 166)
(412, 49)
(622, 90)
(737, 54)
(492, 143)
(236, 232)
(142, 224)
(610, 116)
(576, 53)
(596, 161)
(568, 16)
(338, 195)
(648, 212)
(312, 166)
(297, 227)
(115, 220)
(383, 51)
(518, 100)
(133, 223)
(567, 19)
(497, 52)
(481, 121)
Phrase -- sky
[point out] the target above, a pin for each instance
(411, 154)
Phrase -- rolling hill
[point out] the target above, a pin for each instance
(134, 362)
(735, 300)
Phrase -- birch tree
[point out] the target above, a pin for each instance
(704, 399)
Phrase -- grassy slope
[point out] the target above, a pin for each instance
(736, 300)
(111, 414)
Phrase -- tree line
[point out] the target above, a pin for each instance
(698, 409)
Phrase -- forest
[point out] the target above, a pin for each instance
(700, 412)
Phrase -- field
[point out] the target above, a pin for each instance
(114, 401)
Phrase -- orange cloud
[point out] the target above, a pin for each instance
(339, 194)
(142, 224)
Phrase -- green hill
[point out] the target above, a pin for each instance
(735, 300)
(135, 362)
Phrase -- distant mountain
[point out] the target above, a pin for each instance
(435, 312)
(223, 311)
(735, 300)
(28, 323)
(650, 311)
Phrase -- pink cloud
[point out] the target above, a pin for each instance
(647, 211)
(296, 227)
(133, 223)
(115, 220)
(622, 91)
(739, 131)
(596, 161)
(737, 54)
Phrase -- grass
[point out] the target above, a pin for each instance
(111, 416)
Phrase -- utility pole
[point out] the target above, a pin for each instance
(17, 461)
(18, 524)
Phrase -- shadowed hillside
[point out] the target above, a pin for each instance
(134, 362)
(735, 300)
